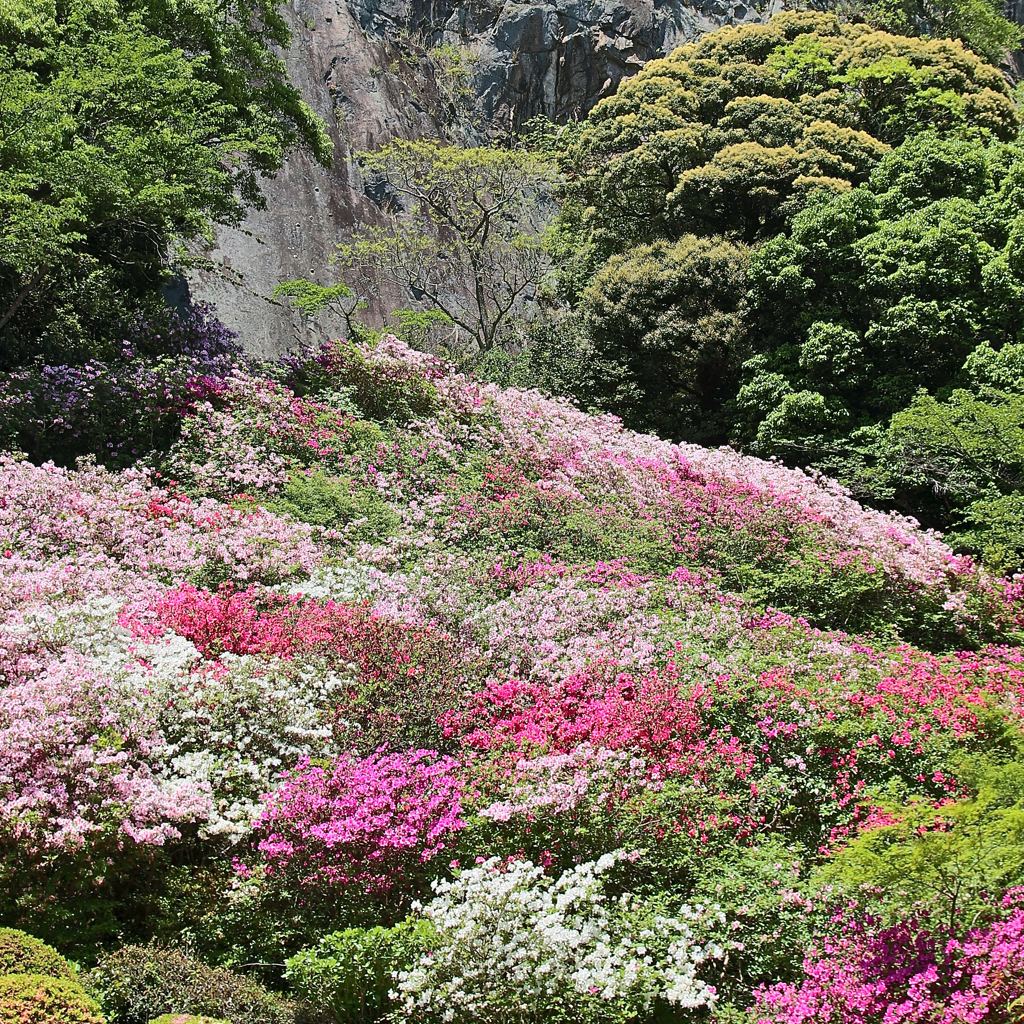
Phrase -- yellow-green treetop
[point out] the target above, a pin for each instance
(729, 134)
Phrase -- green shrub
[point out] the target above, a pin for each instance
(137, 983)
(21, 953)
(39, 999)
(382, 391)
(347, 975)
(334, 502)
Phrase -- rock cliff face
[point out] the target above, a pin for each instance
(376, 69)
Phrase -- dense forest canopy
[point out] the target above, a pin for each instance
(727, 135)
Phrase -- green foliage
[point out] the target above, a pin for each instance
(21, 953)
(63, 907)
(557, 359)
(890, 340)
(312, 299)
(334, 502)
(137, 983)
(732, 134)
(347, 976)
(453, 72)
(880, 292)
(978, 24)
(666, 324)
(471, 248)
(955, 859)
(963, 460)
(132, 130)
(41, 999)
(751, 884)
(419, 329)
(247, 928)
(186, 1018)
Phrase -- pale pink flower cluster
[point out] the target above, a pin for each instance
(76, 757)
(83, 760)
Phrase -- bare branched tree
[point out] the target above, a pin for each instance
(469, 242)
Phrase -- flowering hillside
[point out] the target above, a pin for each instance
(543, 719)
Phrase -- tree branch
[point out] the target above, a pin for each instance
(19, 299)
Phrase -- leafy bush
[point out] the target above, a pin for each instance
(126, 405)
(349, 975)
(22, 954)
(40, 999)
(381, 388)
(137, 983)
(336, 503)
(948, 859)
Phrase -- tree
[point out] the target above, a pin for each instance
(732, 134)
(312, 299)
(978, 24)
(962, 459)
(888, 337)
(470, 245)
(126, 131)
(666, 325)
(955, 860)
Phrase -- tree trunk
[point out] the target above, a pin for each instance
(19, 299)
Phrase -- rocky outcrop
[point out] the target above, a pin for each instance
(377, 69)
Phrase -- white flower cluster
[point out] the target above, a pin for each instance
(514, 944)
(230, 727)
(237, 725)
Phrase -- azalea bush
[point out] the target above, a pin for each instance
(40, 999)
(915, 971)
(512, 943)
(124, 406)
(418, 685)
(363, 825)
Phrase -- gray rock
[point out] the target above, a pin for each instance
(367, 67)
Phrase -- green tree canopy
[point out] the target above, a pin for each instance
(730, 135)
(978, 24)
(961, 460)
(666, 327)
(126, 130)
(882, 291)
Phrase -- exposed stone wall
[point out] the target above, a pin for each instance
(366, 67)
